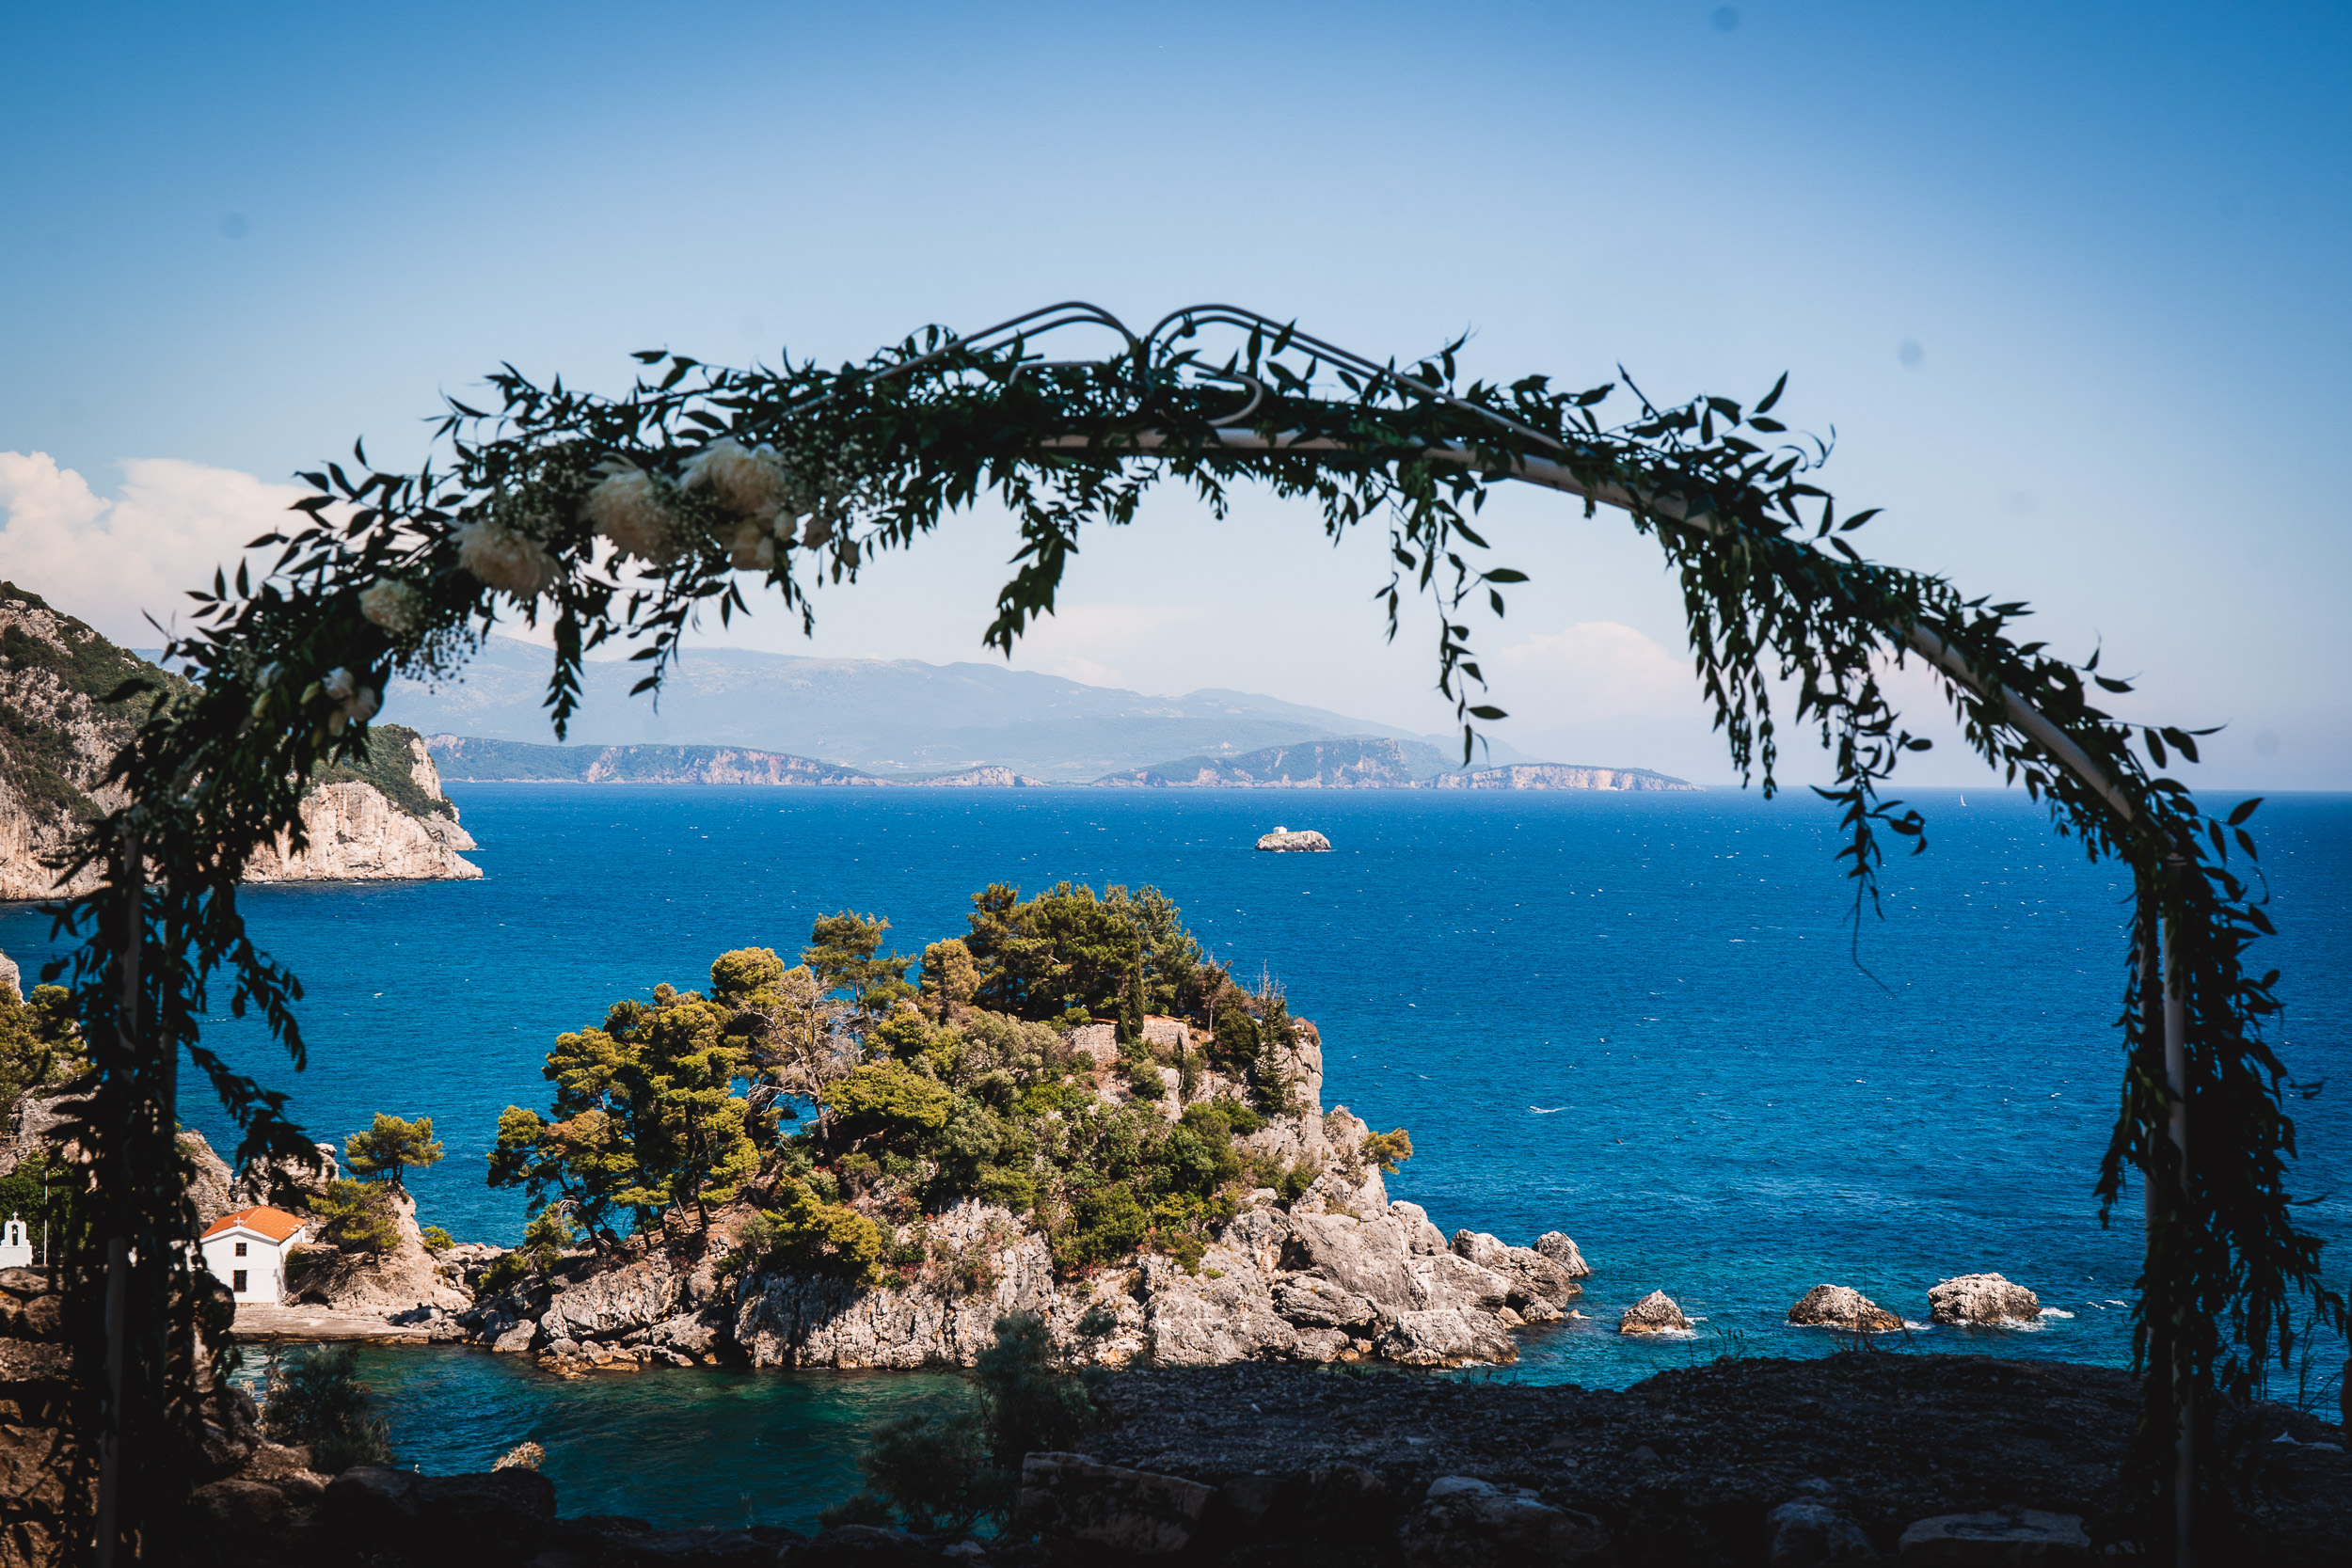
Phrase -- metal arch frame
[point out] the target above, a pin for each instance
(2011, 707)
(2158, 959)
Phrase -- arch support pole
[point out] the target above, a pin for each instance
(2184, 1388)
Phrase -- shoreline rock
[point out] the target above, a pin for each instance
(1655, 1313)
(1982, 1300)
(1842, 1307)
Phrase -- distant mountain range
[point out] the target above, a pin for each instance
(887, 718)
(1357, 763)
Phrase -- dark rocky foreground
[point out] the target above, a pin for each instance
(1748, 1462)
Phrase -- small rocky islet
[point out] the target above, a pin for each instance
(1158, 1187)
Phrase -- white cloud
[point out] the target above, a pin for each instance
(1592, 670)
(111, 563)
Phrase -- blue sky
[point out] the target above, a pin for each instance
(2067, 281)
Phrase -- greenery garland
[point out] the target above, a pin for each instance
(618, 519)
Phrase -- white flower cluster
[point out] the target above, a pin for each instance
(755, 484)
(395, 607)
(626, 509)
(505, 558)
(354, 703)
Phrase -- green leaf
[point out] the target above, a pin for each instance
(1503, 574)
(1488, 712)
(1764, 405)
(2244, 810)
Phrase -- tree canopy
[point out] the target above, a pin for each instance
(393, 1147)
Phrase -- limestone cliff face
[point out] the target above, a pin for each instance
(1558, 775)
(387, 818)
(356, 834)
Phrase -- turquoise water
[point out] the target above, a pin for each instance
(1634, 1019)
(676, 1446)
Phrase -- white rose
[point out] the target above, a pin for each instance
(752, 483)
(505, 559)
(394, 606)
(358, 708)
(626, 509)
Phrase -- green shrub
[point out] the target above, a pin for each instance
(891, 1100)
(505, 1271)
(321, 1404)
(1233, 1044)
(357, 1216)
(1388, 1149)
(1143, 1080)
(437, 1240)
(1106, 1225)
(1015, 1189)
(804, 1230)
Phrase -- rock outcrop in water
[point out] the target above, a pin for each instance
(1291, 841)
(1655, 1313)
(1842, 1307)
(1984, 1299)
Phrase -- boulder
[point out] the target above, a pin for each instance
(1983, 1298)
(1533, 1277)
(1446, 1336)
(12, 980)
(1562, 1250)
(1442, 1279)
(1309, 1301)
(1655, 1313)
(1102, 1510)
(1194, 1319)
(1812, 1531)
(2023, 1537)
(633, 1297)
(1844, 1309)
(1464, 1522)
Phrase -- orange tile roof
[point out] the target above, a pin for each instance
(276, 1223)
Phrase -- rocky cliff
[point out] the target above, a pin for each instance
(367, 827)
(385, 818)
(1557, 775)
(1366, 762)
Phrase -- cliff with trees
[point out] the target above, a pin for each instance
(70, 699)
(1068, 1113)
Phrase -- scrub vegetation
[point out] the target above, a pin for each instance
(841, 1101)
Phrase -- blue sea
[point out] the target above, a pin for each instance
(1648, 1021)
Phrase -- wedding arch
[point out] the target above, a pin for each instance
(620, 519)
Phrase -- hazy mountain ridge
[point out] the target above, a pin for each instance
(469, 760)
(1352, 763)
(883, 717)
(1378, 764)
